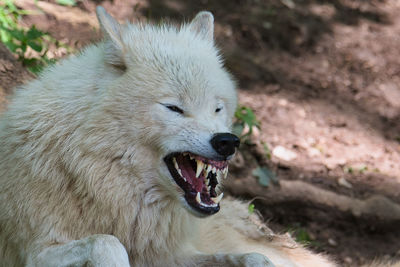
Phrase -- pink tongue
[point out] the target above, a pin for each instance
(190, 175)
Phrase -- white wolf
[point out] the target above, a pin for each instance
(115, 157)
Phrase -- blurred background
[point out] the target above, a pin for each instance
(319, 114)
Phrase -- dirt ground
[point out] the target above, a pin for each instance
(323, 78)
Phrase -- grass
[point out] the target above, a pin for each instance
(245, 119)
(30, 45)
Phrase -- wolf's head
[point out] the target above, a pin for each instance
(176, 99)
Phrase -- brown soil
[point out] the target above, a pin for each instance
(323, 79)
(12, 73)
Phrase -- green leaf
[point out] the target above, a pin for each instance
(302, 236)
(35, 46)
(34, 33)
(266, 150)
(246, 116)
(265, 176)
(23, 47)
(29, 61)
(17, 34)
(66, 2)
(35, 68)
(10, 45)
(251, 208)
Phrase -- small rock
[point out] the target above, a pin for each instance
(311, 141)
(348, 260)
(343, 182)
(302, 113)
(332, 242)
(284, 153)
(283, 102)
(313, 152)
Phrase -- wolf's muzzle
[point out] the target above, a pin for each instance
(225, 143)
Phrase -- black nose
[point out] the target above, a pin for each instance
(225, 143)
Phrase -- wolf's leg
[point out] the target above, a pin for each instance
(234, 230)
(236, 260)
(95, 250)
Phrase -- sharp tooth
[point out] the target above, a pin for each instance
(207, 171)
(175, 163)
(219, 175)
(217, 188)
(218, 198)
(198, 199)
(200, 167)
(177, 168)
(214, 169)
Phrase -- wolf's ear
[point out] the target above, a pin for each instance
(112, 31)
(203, 24)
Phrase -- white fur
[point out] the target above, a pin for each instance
(82, 177)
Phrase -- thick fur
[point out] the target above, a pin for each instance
(82, 177)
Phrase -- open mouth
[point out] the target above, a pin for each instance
(198, 177)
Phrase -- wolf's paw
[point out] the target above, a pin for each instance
(92, 251)
(106, 250)
(251, 259)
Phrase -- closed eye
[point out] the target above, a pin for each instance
(174, 108)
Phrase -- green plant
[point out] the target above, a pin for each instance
(66, 2)
(251, 208)
(267, 150)
(18, 39)
(245, 118)
(349, 169)
(302, 236)
(363, 169)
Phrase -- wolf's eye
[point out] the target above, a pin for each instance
(174, 109)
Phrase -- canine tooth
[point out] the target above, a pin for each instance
(200, 167)
(218, 198)
(225, 172)
(219, 175)
(208, 170)
(175, 163)
(177, 168)
(198, 199)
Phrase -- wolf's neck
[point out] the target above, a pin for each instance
(162, 228)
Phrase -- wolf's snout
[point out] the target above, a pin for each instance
(225, 143)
